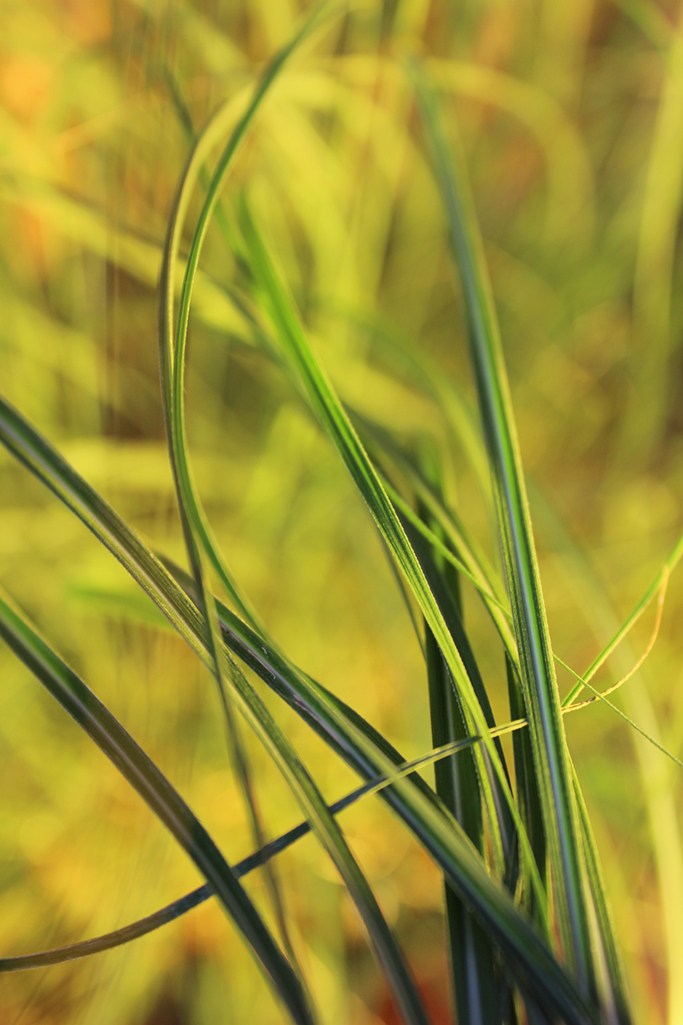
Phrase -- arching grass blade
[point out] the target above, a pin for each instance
(326, 405)
(80, 702)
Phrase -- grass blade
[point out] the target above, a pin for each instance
(539, 683)
(80, 702)
(328, 408)
(201, 544)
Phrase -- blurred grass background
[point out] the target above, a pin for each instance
(571, 113)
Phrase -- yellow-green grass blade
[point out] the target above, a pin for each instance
(80, 702)
(527, 954)
(611, 977)
(669, 566)
(328, 408)
(538, 679)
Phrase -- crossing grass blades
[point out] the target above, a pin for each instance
(529, 932)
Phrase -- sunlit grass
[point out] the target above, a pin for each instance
(325, 299)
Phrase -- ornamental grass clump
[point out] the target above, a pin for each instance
(528, 935)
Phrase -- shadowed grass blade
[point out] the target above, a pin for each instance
(476, 977)
(74, 696)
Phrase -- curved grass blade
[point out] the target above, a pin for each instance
(331, 413)
(656, 586)
(132, 762)
(538, 679)
(172, 336)
(200, 543)
(193, 899)
(528, 955)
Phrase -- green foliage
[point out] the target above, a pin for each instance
(306, 203)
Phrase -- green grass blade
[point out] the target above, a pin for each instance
(527, 788)
(328, 408)
(538, 673)
(485, 783)
(74, 696)
(478, 569)
(476, 977)
(173, 336)
(611, 978)
(471, 957)
(199, 539)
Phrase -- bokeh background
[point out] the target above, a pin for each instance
(571, 116)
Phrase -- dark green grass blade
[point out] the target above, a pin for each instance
(191, 900)
(471, 957)
(527, 954)
(157, 792)
(170, 912)
(476, 979)
(182, 905)
(527, 789)
(476, 565)
(538, 674)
